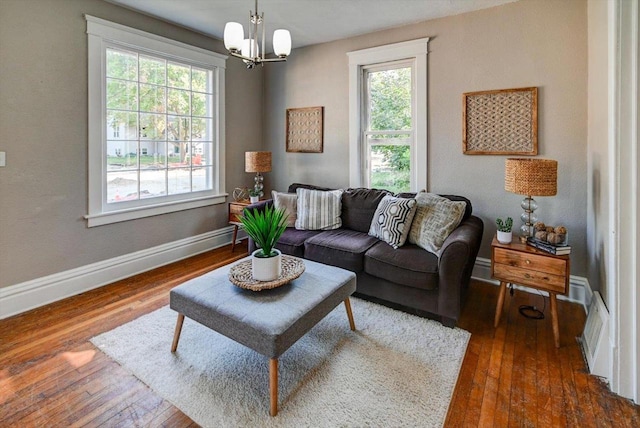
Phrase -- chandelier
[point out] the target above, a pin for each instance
(250, 50)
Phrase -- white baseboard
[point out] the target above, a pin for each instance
(28, 295)
(579, 288)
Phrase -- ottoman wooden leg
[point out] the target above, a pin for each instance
(347, 305)
(273, 386)
(176, 335)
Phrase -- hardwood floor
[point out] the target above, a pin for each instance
(52, 376)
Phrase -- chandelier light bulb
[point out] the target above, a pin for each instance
(233, 36)
(282, 43)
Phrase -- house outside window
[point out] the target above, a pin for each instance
(388, 116)
(162, 100)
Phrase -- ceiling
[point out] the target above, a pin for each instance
(309, 21)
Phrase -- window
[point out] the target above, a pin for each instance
(153, 102)
(388, 132)
(388, 116)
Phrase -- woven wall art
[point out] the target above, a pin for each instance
(501, 122)
(305, 129)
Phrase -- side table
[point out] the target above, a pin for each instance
(522, 264)
(235, 211)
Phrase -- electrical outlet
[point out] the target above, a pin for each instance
(3, 158)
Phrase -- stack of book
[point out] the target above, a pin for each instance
(558, 250)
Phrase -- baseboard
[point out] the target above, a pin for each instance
(28, 295)
(579, 288)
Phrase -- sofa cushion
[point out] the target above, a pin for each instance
(342, 247)
(292, 241)
(288, 201)
(436, 217)
(319, 210)
(468, 209)
(409, 265)
(358, 207)
(392, 220)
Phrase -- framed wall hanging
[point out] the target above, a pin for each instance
(305, 129)
(500, 122)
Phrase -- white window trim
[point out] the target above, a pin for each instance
(415, 50)
(102, 33)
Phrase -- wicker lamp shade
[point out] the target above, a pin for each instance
(257, 161)
(531, 177)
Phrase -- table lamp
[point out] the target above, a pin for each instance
(257, 162)
(530, 177)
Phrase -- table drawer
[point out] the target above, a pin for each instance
(533, 278)
(235, 211)
(528, 261)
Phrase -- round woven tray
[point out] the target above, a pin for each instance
(240, 274)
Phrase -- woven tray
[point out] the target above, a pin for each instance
(240, 274)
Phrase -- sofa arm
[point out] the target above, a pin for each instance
(260, 206)
(457, 258)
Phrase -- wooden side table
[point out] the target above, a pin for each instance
(235, 211)
(522, 264)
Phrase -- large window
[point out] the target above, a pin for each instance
(156, 137)
(388, 132)
(388, 116)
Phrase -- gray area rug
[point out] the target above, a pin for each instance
(395, 370)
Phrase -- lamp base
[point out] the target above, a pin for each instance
(258, 186)
(528, 217)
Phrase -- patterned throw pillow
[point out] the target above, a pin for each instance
(392, 220)
(435, 219)
(288, 201)
(319, 210)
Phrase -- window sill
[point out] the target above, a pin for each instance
(109, 217)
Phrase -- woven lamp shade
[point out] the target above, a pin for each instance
(531, 177)
(257, 161)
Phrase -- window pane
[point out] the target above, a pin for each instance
(122, 95)
(178, 102)
(202, 179)
(202, 154)
(390, 99)
(200, 105)
(152, 126)
(153, 154)
(178, 76)
(202, 129)
(200, 80)
(122, 64)
(178, 128)
(121, 155)
(152, 98)
(152, 70)
(122, 125)
(390, 167)
(153, 183)
(177, 154)
(122, 186)
(179, 180)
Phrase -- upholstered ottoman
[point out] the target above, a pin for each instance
(267, 321)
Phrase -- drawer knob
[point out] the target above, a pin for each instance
(526, 275)
(528, 261)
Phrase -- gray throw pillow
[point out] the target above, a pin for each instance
(319, 210)
(288, 201)
(436, 217)
(392, 220)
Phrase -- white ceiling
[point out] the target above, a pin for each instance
(309, 21)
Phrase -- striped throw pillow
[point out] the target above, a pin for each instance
(319, 210)
(392, 220)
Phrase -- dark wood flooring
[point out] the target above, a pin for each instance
(52, 376)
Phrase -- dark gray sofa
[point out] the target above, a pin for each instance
(408, 278)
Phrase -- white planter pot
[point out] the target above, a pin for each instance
(505, 237)
(266, 269)
(254, 199)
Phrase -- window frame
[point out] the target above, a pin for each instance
(101, 35)
(415, 51)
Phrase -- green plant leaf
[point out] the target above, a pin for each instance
(264, 226)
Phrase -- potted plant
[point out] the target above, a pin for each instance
(265, 227)
(254, 195)
(504, 230)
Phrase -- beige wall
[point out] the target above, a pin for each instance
(539, 43)
(598, 191)
(43, 129)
